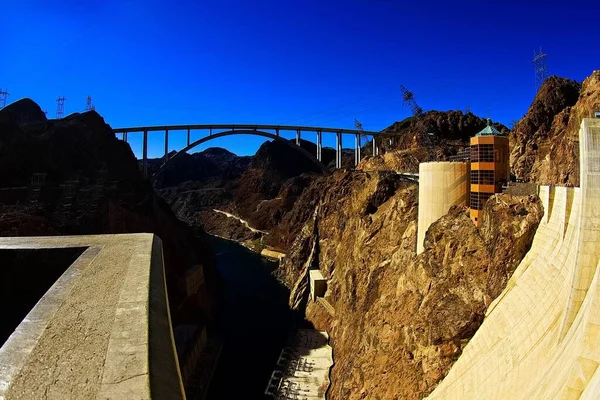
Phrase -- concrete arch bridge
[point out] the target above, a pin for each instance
(214, 131)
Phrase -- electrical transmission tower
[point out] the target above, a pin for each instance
(409, 99)
(88, 104)
(540, 67)
(60, 107)
(359, 127)
(3, 95)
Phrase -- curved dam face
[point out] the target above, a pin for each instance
(541, 337)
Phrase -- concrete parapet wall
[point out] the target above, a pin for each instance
(541, 337)
(103, 329)
(441, 186)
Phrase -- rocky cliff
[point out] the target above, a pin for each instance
(259, 194)
(433, 136)
(401, 320)
(72, 176)
(262, 191)
(213, 167)
(532, 134)
(544, 142)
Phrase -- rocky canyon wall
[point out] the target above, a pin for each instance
(544, 143)
(401, 320)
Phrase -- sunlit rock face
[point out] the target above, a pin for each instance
(401, 320)
(432, 136)
(544, 145)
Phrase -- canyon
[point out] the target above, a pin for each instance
(397, 322)
(400, 321)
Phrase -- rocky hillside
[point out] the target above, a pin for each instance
(433, 136)
(262, 192)
(544, 143)
(212, 167)
(273, 164)
(72, 176)
(557, 162)
(531, 136)
(401, 320)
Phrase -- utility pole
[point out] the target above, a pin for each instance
(60, 107)
(88, 104)
(3, 95)
(540, 68)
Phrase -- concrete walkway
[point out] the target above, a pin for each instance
(102, 330)
(303, 370)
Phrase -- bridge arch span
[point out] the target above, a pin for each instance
(205, 139)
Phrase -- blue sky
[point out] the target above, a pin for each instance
(286, 61)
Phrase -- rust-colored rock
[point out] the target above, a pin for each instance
(544, 143)
(559, 163)
(402, 320)
(532, 134)
(433, 136)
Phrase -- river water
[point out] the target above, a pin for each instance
(255, 323)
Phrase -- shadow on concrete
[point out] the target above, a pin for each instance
(25, 276)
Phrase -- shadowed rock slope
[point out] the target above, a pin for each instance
(262, 191)
(92, 186)
(401, 320)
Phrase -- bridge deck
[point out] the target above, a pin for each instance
(293, 128)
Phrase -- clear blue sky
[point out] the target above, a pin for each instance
(240, 61)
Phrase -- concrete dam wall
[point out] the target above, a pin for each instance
(541, 337)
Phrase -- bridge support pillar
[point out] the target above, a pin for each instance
(166, 145)
(356, 149)
(145, 155)
(375, 148)
(319, 144)
(338, 150)
(298, 137)
(188, 137)
(125, 136)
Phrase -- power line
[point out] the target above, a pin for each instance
(337, 107)
(354, 113)
(351, 111)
